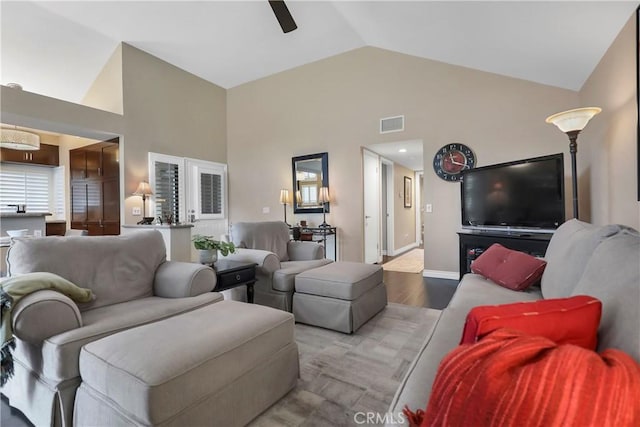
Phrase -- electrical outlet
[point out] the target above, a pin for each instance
(136, 212)
(266, 210)
(429, 208)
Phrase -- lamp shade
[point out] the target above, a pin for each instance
(284, 197)
(144, 189)
(323, 197)
(17, 139)
(573, 120)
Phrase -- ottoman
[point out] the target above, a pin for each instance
(220, 365)
(341, 296)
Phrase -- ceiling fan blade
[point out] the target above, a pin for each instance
(283, 15)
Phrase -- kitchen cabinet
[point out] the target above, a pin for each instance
(47, 155)
(95, 189)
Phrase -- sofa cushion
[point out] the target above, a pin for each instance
(613, 276)
(572, 320)
(474, 290)
(57, 358)
(284, 279)
(196, 361)
(115, 268)
(342, 280)
(568, 254)
(508, 268)
(270, 236)
(509, 377)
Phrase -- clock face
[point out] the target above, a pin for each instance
(452, 159)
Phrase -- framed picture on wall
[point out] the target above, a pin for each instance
(408, 192)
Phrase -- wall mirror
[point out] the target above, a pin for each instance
(309, 174)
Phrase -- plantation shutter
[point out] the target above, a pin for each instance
(25, 184)
(167, 190)
(210, 193)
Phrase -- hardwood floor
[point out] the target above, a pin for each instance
(413, 289)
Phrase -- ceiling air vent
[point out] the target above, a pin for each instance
(392, 124)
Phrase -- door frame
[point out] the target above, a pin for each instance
(419, 205)
(390, 205)
(370, 153)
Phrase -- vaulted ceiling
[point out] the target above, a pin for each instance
(58, 48)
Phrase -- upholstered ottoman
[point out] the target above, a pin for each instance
(219, 365)
(341, 296)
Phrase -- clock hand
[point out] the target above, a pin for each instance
(458, 163)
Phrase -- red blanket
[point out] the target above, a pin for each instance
(511, 379)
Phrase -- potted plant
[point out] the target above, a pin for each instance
(208, 248)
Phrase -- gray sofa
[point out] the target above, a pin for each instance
(279, 259)
(134, 285)
(582, 259)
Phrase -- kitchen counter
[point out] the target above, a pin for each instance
(31, 221)
(24, 215)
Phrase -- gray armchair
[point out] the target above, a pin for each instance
(279, 259)
(133, 284)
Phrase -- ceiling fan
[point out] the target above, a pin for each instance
(283, 15)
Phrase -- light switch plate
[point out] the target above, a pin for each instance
(136, 212)
(429, 208)
(266, 210)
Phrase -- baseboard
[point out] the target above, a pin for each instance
(438, 274)
(403, 249)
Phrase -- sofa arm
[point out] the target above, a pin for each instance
(267, 261)
(43, 314)
(183, 279)
(304, 251)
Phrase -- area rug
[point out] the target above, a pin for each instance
(411, 262)
(341, 375)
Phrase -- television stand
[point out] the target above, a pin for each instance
(474, 242)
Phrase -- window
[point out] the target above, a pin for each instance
(40, 188)
(188, 189)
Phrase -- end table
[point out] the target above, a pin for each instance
(231, 274)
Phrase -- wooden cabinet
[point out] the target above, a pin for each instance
(95, 189)
(47, 155)
(474, 242)
(56, 228)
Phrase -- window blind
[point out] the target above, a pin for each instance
(167, 190)
(210, 193)
(25, 184)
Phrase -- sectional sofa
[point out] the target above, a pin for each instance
(582, 259)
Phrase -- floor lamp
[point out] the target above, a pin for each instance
(572, 122)
(284, 199)
(324, 198)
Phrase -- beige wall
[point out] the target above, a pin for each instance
(166, 110)
(105, 92)
(404, 219)
(607, 148)
(334, 105)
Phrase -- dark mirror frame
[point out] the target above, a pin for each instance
(325, 180)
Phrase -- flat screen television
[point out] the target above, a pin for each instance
(525, 194)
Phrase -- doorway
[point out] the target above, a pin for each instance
(372, 226)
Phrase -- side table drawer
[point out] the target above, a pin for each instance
(234, 277)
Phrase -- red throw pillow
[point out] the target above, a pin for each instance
(511, 379)
(572, 320)
(508, 268)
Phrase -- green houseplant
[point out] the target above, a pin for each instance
(208, 248)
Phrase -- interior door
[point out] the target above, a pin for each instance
(371, 181)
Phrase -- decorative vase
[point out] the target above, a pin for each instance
(207, 256)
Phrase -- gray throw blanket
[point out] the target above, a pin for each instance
(12, 289)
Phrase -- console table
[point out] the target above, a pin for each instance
(474, 242)
(320, 235)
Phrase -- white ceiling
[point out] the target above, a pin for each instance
(410, 158)
(58, 48)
